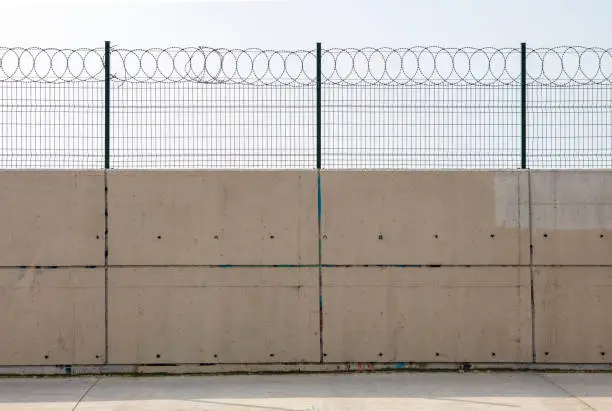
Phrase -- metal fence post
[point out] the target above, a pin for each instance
(523, 105)
(318, 106)
(107, 104)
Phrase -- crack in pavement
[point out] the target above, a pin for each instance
(86, 392)
(554, 384)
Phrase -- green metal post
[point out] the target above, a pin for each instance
(318, 106)
(523, 106)
(107, 105)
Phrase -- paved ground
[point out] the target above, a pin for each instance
(392, 391)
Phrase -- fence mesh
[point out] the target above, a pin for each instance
(51, 108)
(569, 105)
(211, 108)
(419, 107)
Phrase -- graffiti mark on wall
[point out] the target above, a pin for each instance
(360, 366)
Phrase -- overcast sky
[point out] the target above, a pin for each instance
(292, 24)
(166, 126)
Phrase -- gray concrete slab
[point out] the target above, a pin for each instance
(380, 391)
(20, 394)
(595, 390)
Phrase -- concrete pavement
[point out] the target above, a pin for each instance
(380, 391)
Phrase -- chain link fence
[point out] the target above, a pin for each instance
(383, 108)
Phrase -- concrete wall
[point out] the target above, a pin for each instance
(51, 218)
(210, 315)
(572, 217)
(212, 218)
(52, 316)
(452, 218)
(446, 314)
(300, 267)
(572, 314)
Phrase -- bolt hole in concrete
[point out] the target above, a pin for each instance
(380, 236)
(97, 237)
(492, 354)
(492, 235)
(158, 356)
(216, 237)
(97, 356)
(325, 237)
(545, 235)
(601, 236)
(603, 353)
(159, 237)
(271, 355)
(215, 355)
(46, 357)
(546, 353)
(437, 354)
(380, 354)
(271, 237)
(435, 235)
(324, 354)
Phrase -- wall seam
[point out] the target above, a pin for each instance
(531, 266)
(106, 267)
(320, 266)
(57, 267)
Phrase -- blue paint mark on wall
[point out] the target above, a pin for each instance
(319, 193)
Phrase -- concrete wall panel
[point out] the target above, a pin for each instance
(212, 218)
(451, 314)
(213, 315)
(573, 321)
(52, 316)
(425, 217)
(51, 218)
(572, 217)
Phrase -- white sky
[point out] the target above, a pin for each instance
(300, 23)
